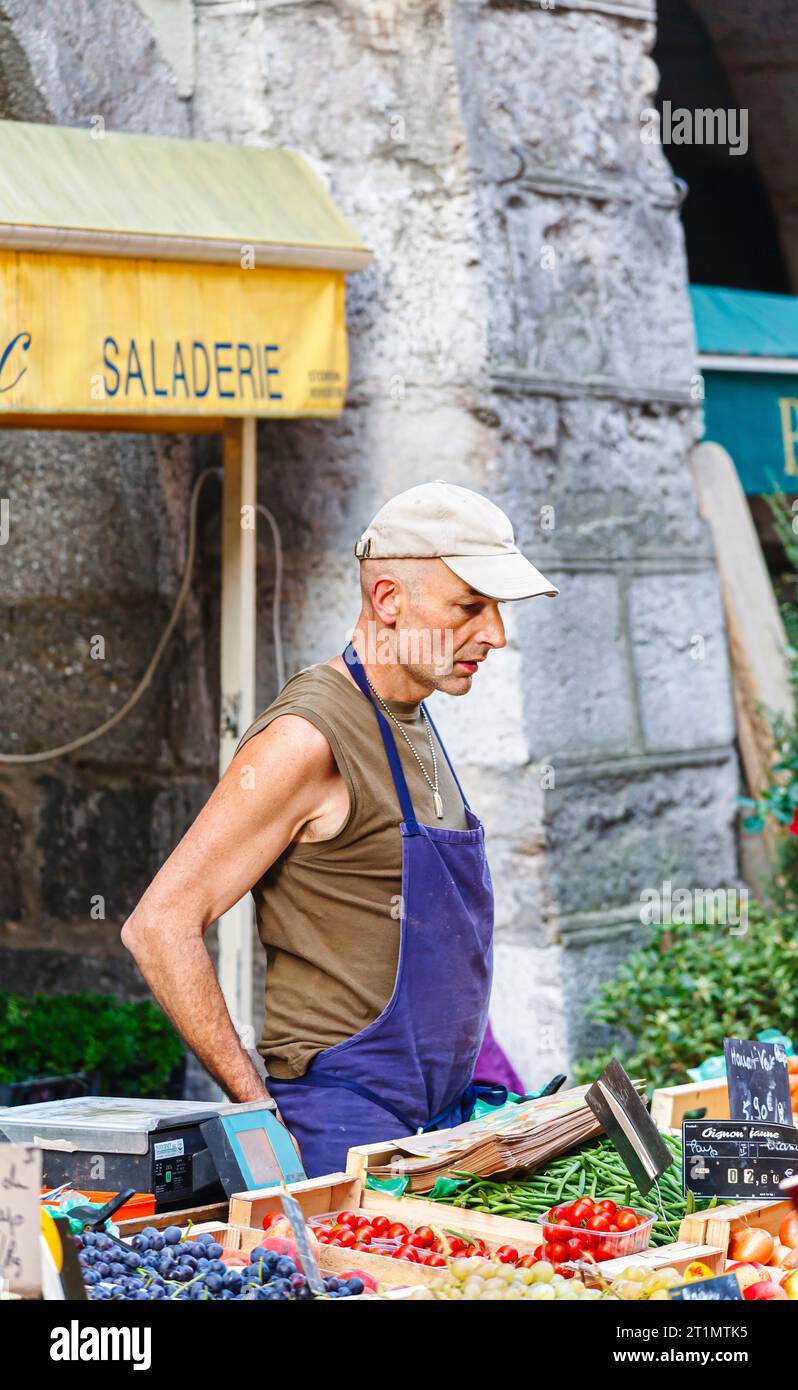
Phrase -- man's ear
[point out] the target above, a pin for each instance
(386, 598)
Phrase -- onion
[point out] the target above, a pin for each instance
(780, 1253)
(788, 1230)
(751, 1244)
(790, 1260)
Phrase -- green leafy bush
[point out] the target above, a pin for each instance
(55, 1034)
(674, 1001)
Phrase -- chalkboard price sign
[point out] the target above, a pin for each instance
(723, 1289)
(738, 1159)
(759, 1086)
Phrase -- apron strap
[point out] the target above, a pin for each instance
(446, 756)
(355, 665)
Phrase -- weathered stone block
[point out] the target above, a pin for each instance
(102, 845)
(611, 836)
(681, 660)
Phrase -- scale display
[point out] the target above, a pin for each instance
(738, 1159)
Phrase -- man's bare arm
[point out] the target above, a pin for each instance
(279, 782)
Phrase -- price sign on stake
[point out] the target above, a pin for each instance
(619, 1109)
(759, 1086)
(20, 1180)
(738, 1159)
(293, 1211)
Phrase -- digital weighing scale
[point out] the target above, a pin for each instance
(185, 1152)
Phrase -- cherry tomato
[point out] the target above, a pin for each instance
(323, 1237)
(582, 1210)
(361, 1222)
(566, 1273)
(364, 1235)
(347, 1218)
(434, 1259)
(527, 1261)
(425, 1236)
(398, 1232)
(551, 1232)
(345, 1237)
(599, 1223)
(562, 1214)
(606, 1251)
(406, 1252)
(626, 1219)
(556, 1252)
(472, 1250)
(574, 1247)
(506, 1254)
(269, 1219)
(613, 1228)
(380, 1223)
(607, 1206)
(538, 1252)
(456, 1245)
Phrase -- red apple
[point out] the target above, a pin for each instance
(764, 1289)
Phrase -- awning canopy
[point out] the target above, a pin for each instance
(169, 280)
(748, 355)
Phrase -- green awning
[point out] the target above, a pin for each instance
(747, 344)
(106, 193)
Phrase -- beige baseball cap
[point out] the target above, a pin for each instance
(469, 533)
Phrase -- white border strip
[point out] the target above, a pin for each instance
(720, 362)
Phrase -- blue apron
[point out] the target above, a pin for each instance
(410, 1069)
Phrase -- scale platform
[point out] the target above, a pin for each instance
(186, 1152)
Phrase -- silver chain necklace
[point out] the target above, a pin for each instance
(436, 796)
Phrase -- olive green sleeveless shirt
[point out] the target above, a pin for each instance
(328, 911)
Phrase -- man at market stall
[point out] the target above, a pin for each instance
(342, 813)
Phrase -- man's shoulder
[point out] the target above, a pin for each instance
(317, 694)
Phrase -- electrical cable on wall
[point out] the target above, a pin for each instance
(185, 585)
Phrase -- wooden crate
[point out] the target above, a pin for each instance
(217, 1211)
(341, 1190)
(676, 1256)
(716, 1225)
(670, 1104)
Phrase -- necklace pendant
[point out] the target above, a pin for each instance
(436, 796)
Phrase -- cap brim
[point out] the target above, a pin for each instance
(506, 576)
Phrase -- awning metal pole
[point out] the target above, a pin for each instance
(239, 604)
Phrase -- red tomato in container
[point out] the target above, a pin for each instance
(434, 1259)
(556, 1251)
(380, 1224)
(607, 1206)
(575, 1247)
(425, 1236)
(398, 1232)
(599, 1223)
(562, 1214)
(406, 1252)
(347, 1218)
(506, 1255)
(626, 1219)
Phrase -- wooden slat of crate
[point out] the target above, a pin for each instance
(333, 1192)
(670, 1104)
(676, 1256)
(217, 1211)
(716, 1225)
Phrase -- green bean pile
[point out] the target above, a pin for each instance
(596, 1170)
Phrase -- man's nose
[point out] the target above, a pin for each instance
(492, 629)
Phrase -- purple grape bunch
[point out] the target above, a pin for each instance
(172, 1264)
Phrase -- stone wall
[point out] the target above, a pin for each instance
(524, 330)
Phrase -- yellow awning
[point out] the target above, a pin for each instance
(167, 279)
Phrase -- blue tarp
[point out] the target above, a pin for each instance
(745, 323)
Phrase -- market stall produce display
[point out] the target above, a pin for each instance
(595, 1170)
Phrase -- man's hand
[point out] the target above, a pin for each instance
(282, 783)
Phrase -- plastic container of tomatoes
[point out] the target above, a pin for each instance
(594, 1229)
